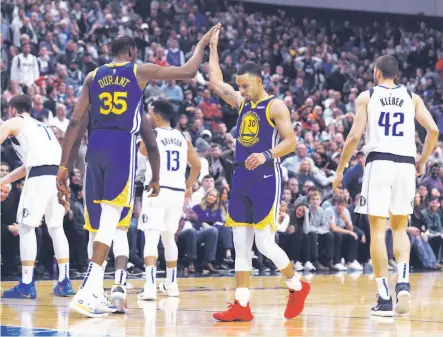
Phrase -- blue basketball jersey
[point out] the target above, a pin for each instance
(116, 98)
(256, 131)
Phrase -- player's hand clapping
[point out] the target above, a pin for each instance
(207, 37)
(254, 160)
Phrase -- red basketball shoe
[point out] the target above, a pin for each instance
(296, 300)
(235, 313)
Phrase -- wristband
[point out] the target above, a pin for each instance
(268, 155)
(63, 168)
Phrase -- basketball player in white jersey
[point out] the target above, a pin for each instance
(161, 216)
(388, 112)
(40, 152)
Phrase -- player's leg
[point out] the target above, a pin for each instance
(172, 218)
(241, 219)
(54, 220)
(101, 219)
(374, 201)
(403, 191)
(30, 212)
(151, 223)
(266, 212)
(121, 255)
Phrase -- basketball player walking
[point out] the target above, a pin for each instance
(115, 94)
(40, 152)
(388, 113)
(256, 185)
(161, 216)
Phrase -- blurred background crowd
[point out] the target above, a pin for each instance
(317, 64)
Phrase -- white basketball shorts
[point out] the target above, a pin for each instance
(388, 187)
(162, 213)
(38, 199)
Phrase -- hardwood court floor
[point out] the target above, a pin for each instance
(337, 306)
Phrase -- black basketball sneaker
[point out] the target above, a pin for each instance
(403, 291)
(383, 307)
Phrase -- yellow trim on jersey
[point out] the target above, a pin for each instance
(120, 200)
(268, 220)
(232, 223)
(268, 111)
(241, 107)
(135, 69)
(112, 65)
(124, 223)
(254, 105)
(94, 73)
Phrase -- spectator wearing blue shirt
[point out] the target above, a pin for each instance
(353, 177)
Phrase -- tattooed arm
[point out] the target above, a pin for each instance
(224, 90)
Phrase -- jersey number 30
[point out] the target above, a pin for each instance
(384, 121)
(173, 160)
(115, 103)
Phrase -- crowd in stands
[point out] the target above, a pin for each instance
(317, 66)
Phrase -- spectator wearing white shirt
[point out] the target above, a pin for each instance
(60, 119)
(207, 183)
(24, 67)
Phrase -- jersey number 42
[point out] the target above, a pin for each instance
(384, 121)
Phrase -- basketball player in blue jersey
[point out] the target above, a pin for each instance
(114, 93)
(256, 185)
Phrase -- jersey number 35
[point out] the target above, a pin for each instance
(115, 103)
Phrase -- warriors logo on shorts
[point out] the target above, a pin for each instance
(144, 218)
(25, 212)
(249, 129)
(362, 201)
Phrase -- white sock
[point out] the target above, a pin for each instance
(294, 283)
(94, 279)
(120, 277)
(382, 287)
(242, 295)
(171, 275)
(63, 271)
(403, 272)
(27, 274)
(151, 274)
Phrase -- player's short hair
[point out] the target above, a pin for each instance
(250, 68)
(164, 109)
(388, 66)
(122, 44)
(22, 103)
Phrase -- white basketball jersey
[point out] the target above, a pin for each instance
(173, 150)
(391, 122)
(36, 144)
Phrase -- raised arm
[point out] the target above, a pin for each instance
(148, 72)
(224, 90)
(351, 143)
(196, 165)
(425, 119)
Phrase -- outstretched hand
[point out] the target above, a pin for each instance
(207, 37)
(214, 39)
(337, 183)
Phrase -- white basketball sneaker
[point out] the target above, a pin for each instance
(149, 292)
(169, 288)
(118, 297)
(88, 304)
